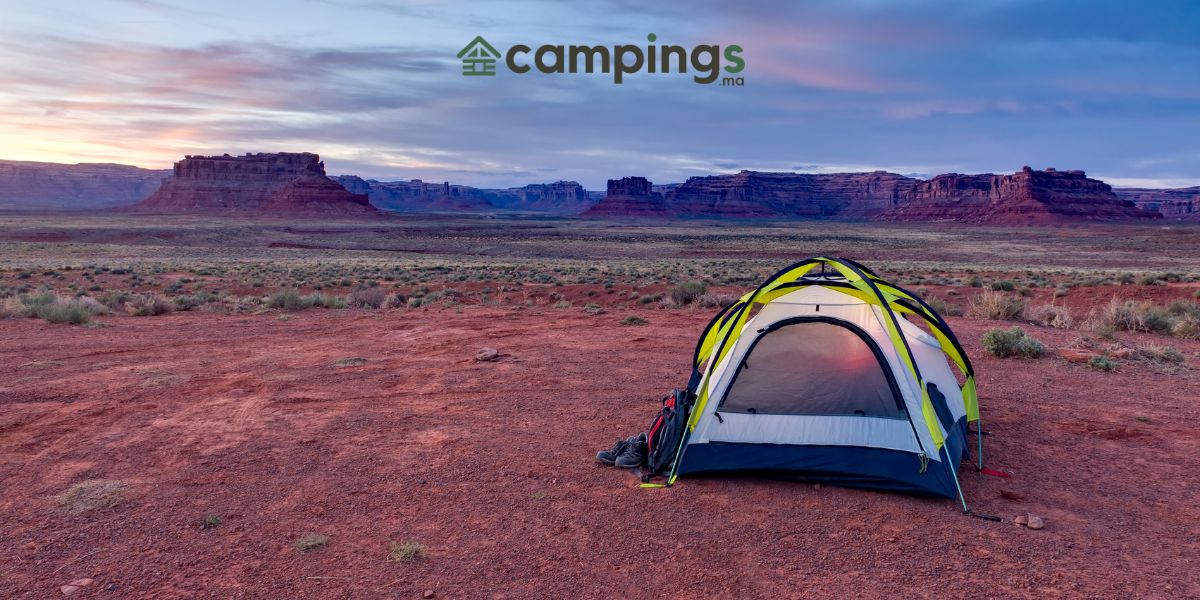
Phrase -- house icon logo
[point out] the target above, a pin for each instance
(479, 57)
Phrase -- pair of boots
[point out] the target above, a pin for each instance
(628, 453)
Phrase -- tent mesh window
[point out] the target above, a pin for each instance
(812, 368)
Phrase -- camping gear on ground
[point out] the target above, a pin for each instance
(824, 372)
(628, 453)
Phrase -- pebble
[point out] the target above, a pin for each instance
(429, 593)
(74, 586)
(487, 354)
(1036, 522)
(1021, 520)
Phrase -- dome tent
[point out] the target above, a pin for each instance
(822, 373)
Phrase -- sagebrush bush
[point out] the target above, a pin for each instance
(288, 300)
(687, 292)
(1180, 319)
(942, 307)
(1051, 315)
(995, 305)
(1003, 343)
(717, 300)
(367, 297)
(148, 305)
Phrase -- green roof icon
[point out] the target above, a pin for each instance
(479, 48)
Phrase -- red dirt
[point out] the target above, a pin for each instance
(490, 465)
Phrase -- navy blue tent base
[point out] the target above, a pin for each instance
(849, 466)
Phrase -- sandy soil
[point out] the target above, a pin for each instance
(490, 466)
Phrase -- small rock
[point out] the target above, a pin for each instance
(487, 355)
(1011, 495)
(429, 593)
(1021, 520)
(67, 590)
(82, 582)
(1075, 355)
(112, 587)
(1035, 522)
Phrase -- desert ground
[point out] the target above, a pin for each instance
(216, 408)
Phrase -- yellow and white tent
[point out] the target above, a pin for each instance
(822, 372)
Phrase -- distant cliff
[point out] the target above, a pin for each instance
(560, 197)
(630, 197)
(1022, 198)
(83, 186)
(1177, 203)
(278, 184)
(1025, 197)
(754, 194)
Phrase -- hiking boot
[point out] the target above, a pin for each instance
(634, 454)
(609, 456)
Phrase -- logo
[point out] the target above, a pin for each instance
(479, 57)
(703, 62)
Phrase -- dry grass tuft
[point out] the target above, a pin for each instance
(311, 541)
(92, 495)
(408, 551)
(996, 305)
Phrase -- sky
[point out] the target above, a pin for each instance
(918, 87)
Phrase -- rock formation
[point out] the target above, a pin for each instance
(560, 197)
(1177, 203)
(278, 184)
(51, 186)
(754, 194)
(630, 197)
(416, 195)
(1022, 198)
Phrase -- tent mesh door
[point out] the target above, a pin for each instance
(812, 368)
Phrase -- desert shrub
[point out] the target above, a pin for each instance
(69, 313)
(1103, 363)
(1122, 315)
(942, 307)
(1187, 328)
(1159, 353)
(1149, 279)
(1003, 285)
(717, 300)
(1129, 315)
(563, 304)
(116, 300)
(194, 300)
(406, 551)
(1051, 315)
(288, 300)
(1180, 308)
(396, 301)
(12, 307)
(414, 302)
(311, 541)
(367, 297)
(148, 305)
(1012, 342)
(687, 292)
(995, 305)
(633, 320)
(326, 301)
(592, 308)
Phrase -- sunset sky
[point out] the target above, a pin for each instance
(917, 87)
